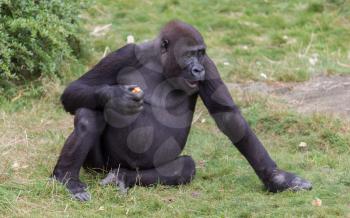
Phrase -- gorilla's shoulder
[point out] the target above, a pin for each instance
(124, 56)
(127, 50)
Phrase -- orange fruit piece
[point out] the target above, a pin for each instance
(136, 90)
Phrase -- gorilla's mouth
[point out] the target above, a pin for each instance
(192, 83)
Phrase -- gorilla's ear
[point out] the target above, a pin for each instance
(164, 45)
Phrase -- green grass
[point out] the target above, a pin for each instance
(32, 131)
(273, 37)
(225, 185)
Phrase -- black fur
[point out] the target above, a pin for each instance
(141, 135)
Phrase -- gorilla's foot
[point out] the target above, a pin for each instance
(77, 188)
(117, 177)
(281, 180)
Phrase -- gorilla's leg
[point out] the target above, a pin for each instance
(180, 171)
(95, 159)
(88, 126)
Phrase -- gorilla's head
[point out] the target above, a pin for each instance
(182, 54)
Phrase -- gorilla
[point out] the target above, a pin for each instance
(137, 136)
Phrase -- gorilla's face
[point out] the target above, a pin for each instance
(182, 62)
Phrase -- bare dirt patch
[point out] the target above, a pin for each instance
(328, 94)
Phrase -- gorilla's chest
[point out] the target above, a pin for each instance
(155, 136)
(158, 133)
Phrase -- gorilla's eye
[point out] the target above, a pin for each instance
(165, 44)
(201, 52)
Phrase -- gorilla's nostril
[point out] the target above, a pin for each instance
(197, 70)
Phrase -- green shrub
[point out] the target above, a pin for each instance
(36, 37)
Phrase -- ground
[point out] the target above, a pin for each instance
(265, 47)
(321, 94)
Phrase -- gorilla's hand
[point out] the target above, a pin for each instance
(121, 98)
(281, 180)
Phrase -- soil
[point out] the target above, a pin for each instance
(328, 94)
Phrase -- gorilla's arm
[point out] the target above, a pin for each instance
(93, 88)
(227, 116)
(217, 99)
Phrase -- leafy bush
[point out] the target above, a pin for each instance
(36, 37)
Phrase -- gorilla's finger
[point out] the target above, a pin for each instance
(133, 103)
(134, 110)
(282, 180)
(127, 107)
(136, 96)
(298, 184)
(139, 109)
(82, 196)
(130, 87)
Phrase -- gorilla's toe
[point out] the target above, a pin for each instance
(118, 178)
(111, 178)
(76, 188)
(123, 188)
(82, 196)
(281, 180)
